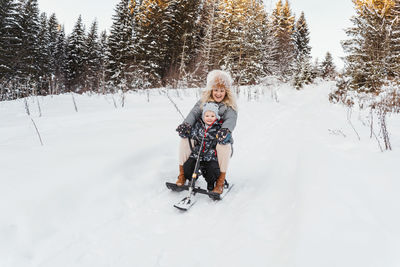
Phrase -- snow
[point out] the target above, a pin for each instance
(307, 191)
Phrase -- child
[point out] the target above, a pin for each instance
(206, 127)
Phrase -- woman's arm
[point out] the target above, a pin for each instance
(229, 118)
(194, 114)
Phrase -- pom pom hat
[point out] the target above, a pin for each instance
(219, 78)
(211, 107)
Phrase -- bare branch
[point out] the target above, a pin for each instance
(37, 131)
(176, 106)
(349, 111)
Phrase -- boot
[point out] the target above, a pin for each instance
(210, 186)
(181, 177)
(219, 186)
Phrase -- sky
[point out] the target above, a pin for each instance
(326, 19)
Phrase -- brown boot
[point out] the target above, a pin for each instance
(219, 185)
(181, 177)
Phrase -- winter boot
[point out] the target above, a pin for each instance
(181, 177)
(219, 186)
(210, 186)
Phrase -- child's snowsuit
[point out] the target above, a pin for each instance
(208, 155)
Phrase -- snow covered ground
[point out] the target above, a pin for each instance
(307, 191)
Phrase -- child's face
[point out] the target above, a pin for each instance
(209, 117)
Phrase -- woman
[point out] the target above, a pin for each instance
(218, 90)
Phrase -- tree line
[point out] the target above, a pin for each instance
(153, 43)
(371, 77)
(373, 46)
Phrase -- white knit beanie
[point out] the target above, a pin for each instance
(209, 106)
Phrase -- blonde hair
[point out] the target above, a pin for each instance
(229, 99)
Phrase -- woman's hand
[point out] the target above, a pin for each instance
(184, 130)
(223, 136)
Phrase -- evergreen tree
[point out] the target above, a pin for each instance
(368, 60)
(75, 61)
(268, 47)
(53, 27)
(151, 42)
(316, 69)
(303, 74)
(10, 38)
(103, 62)
(182, 32)
(252, 56)
(328, 67)
(234, 38)
(209, 28)
(230, 39)
(60, 62)
(282, 23)
(43, 56)
(28, 54)
(394, 55)
(56, 55)
(92, 59)
(120, 45)
(301, 38)
(303, 68)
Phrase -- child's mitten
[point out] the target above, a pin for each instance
(223, 136)
(184, 130)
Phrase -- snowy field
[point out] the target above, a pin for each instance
(307, 191)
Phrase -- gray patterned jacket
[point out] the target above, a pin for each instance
(207, 147)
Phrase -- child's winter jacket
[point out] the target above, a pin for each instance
(200, 129)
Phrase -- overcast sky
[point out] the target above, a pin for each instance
(326, 19)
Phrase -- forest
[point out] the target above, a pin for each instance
(152, 44)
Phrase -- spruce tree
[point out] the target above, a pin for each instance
(182, 31)
(301, 38)
(328, 67)
(52, 27)
(394, 55)
(303, 68)
(316, 69)
(210, 28)
(10, 39)
(103, 62)
(120, 46)
(92, 59)
(151, 42)
(268, 47)
(368, 61)
(282, 23)
(252, 56)
(56, 56)
(234, 38)
(75, 61)
(28, 54)
(230, 40)
(43, 56)
(60, 62)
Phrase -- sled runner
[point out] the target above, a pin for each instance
(198, 189)
(187, 202)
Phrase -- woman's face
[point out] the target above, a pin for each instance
(218, 93)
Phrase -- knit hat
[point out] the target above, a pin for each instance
(219, 78)
(211, 107)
